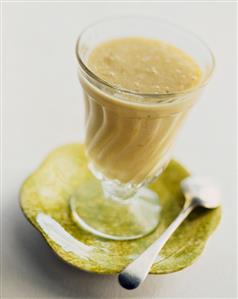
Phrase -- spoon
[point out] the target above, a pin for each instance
(198, 192)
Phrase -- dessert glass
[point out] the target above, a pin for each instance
(129, 135)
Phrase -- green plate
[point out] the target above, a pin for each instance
(44, 201)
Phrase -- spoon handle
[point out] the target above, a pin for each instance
(135, 273)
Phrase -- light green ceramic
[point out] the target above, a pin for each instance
(44, 201)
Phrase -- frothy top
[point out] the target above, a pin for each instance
(144, 65)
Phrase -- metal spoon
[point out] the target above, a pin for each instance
(198, 192)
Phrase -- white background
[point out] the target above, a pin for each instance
(43, 109)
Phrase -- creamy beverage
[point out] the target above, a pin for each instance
(133, 115)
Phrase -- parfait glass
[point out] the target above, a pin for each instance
(129, 135)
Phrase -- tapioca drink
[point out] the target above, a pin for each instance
(140, 94)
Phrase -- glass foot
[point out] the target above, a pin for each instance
(114, 219)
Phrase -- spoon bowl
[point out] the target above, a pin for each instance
(201, 191)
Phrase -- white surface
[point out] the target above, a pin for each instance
(43, 109)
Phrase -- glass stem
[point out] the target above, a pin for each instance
(113, 189)
(117, 191)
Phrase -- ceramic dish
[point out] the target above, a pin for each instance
(44, 201)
